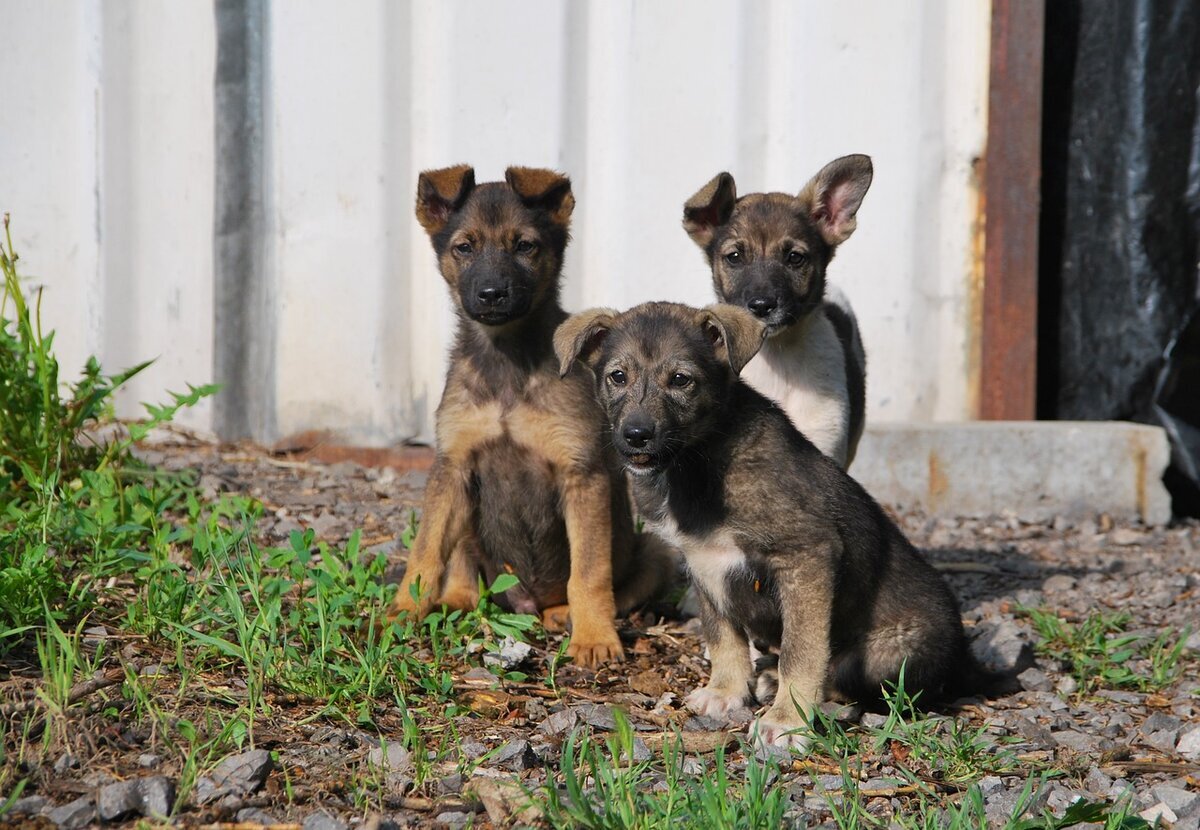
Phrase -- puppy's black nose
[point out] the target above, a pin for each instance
(638, 435)
(762, 306)
(492, 295)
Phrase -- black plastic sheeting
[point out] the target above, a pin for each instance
(1120, 233)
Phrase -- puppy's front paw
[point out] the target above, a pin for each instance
(714, 702)
(785, 732)
(594, 648)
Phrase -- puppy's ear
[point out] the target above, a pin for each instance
(832, 197)
(709, 209)
(736, 334)
(440, 193)
(544, 190)
(579, 337)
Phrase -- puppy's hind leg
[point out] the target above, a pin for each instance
(653, 571)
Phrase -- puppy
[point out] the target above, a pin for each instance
(787, 551)
(521, 483)
(769, 253)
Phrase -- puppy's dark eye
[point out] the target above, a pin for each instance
(797, 258)
(679, 380)
(526, 247)
(463, 247)
(734, 257)
(617, 377)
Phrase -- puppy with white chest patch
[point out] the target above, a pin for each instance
(786, 550)
(769, 253)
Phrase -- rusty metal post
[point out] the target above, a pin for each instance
(1011, 190)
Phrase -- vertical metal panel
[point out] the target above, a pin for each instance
(1012, 177)
(329, 312)
(243, 299)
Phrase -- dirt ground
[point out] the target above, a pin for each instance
(1104, 744)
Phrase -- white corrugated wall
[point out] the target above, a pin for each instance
(107, 164)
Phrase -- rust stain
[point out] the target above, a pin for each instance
(938, 483)
(975, 276)
(1139, 473)
(322, 447)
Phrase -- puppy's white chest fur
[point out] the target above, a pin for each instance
(710, 559)
(804, 370)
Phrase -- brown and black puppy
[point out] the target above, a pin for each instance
(769, 253)
(521, 483)
(788, 552)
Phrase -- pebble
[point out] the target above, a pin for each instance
(1189, 744)
(396, 758)
(1180, 801)
(512, 654)
(1035, 680)
(1159, 813)
(1097, 782)
(323, 821)
(239, 774)
(29, 805)
(79, 813)
(559, 722)
(453, 819)
(515, 755)
(1002, 647)
(253, 815)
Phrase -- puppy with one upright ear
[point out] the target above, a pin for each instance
(786, 550)
(769, 253)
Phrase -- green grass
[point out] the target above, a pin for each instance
(1100, 655)
(250, 638)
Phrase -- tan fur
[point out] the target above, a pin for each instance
(737, 333)
(498, 412)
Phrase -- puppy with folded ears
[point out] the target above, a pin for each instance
(788, 552)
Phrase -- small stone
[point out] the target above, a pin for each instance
(692, 766)
(450, 785)
(1066, 685)
(1097, 782)
(1131, 698)
(1160, 721)
(30, 805)
(1003, 647)
(990, 784)
(472, 750)
(453, 819)
(1163, 741)
(535, 710)
(1180, 801)
(323, 821)
(239, 774)
(1035, 680)
(873, 720)
(65, 762)
(1192, 643)
(1077, 741)
(253, 815)
(148, 760)
(79, 813)
(559, 722)
(641, 752)
(396, 758)
(1059, 583)
(512, 654)
(156, 795)
(116, 801)
(515, 755)
(1189, 744)
(1124, 536)
(1158, 813)
(479, 673)
(598, 715)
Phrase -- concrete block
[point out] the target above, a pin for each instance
(1034, 469)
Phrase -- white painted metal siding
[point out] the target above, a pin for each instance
(107, 164)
